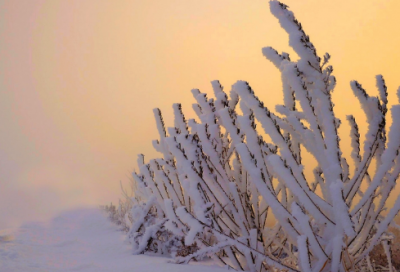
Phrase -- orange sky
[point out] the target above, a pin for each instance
(79, 80)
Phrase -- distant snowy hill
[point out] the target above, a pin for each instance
(79, 240)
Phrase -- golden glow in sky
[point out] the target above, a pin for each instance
(79, 80)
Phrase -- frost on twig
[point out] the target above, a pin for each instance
(218, 180)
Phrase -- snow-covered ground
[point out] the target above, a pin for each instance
(79, 240)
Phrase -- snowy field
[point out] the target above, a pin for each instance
(79, 240)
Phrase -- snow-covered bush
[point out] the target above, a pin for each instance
(121, 215)
(218, 180)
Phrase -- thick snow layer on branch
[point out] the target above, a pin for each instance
(303, 253)
(273, 55)
(388, 157)
(380, 83)
(286, 176)
(194, 225)
(341, 209)
(308, 232)
(280, 212)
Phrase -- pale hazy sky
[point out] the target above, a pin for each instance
(79, 80)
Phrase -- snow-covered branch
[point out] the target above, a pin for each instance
(218, 182)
